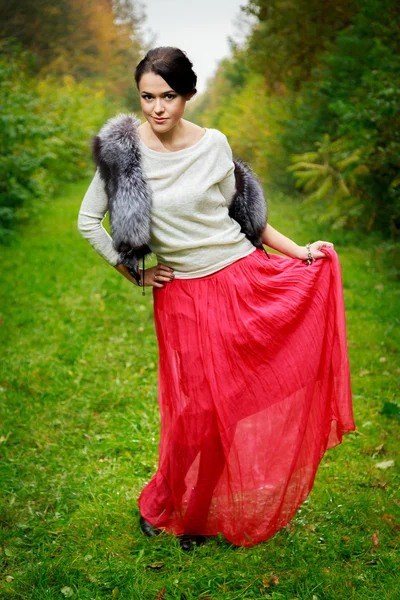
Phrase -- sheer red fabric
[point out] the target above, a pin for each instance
(254, 386)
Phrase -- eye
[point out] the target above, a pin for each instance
(170, 96)
(147, 96)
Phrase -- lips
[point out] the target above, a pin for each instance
(161, 120)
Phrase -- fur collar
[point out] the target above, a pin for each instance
(116, 152)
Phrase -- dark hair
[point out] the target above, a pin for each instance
(171, 64)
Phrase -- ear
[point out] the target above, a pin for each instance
(190, 95)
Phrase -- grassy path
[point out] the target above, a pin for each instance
(78, 440)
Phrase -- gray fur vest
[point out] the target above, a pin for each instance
(117, 154)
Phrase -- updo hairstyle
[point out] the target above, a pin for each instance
(172, 65)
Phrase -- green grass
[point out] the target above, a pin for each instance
(79, 435)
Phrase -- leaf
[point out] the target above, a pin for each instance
(115, 592)
(156, 566)
(67, 591)
(386, 464)
(375, 539)
(266, 582)
(390, 520)
(363, 372)
(160, 594)
(9, 578)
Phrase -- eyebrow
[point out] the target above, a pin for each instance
(150, 94)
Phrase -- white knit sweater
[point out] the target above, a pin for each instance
(191, 230)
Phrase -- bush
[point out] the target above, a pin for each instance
(45, 129)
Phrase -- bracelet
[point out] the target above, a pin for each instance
(310, 258)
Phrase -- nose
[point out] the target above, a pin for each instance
(158, 108)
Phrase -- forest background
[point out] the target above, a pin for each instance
(309, 98)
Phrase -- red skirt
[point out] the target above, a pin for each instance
(254, 386)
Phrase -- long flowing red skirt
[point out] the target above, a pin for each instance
(254, 386)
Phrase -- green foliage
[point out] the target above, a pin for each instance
(329, 71)
(332, 175)
(45, 129)
(22, 171)
(289, 36)
(60, 66)
(250, 117)
(95, 39)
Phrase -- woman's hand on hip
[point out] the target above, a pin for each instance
(158, 276)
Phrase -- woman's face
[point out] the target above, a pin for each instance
(161, 105)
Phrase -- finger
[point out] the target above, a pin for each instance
(163, 278)
(164, 268)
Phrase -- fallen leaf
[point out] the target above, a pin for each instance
(345, 538)
(386, 464)
(363, 372)
(160, 594)
(269, 580)
(379, 448)
(9, 578)
(375, 539)
(67, 591)
(266, 582)
(381, 484)
(379, 287)
(156, 566)
(115, 592)
(382, 359)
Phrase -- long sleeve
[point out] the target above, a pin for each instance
(227, 185)
(93, 209)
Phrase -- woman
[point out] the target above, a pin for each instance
(253, 373)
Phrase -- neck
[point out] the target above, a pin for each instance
(170, 140)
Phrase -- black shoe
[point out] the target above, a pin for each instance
(147, 528)
(187, 542)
